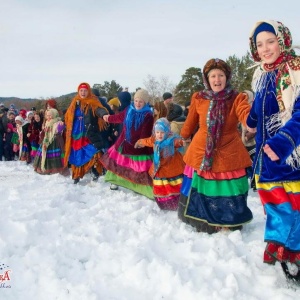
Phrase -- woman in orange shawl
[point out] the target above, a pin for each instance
(84, 141)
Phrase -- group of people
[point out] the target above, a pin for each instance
(195, 161)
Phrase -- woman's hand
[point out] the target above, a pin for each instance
(271, 154)
(252, 130)
(105, 118)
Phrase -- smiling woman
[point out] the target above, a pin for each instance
(275, 115)
(215, 186)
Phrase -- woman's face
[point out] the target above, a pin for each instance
(83, 93)
(139, 103)
(267, 47)
(37, 118)
(217, 80)
(48, 115)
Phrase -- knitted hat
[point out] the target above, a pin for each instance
(29, 113)
(83, 85)
(125, 99)
(263, 27)
(114, 101)
(19, 118)
(22, 113)
(167, 95)
(52, 103)
(96, 92)
(10, 126)
(142, 94)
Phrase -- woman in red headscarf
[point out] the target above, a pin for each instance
(84, 141)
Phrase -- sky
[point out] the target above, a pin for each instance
(49, 47)
(85, 242)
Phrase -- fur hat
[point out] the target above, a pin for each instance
(142, 94)
(167, 95)
(114, 101)
(212, 64)
(216, 63)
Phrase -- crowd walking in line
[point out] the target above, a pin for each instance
(199, 159)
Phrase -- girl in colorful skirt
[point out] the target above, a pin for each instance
(49, 158)
(168, 165)
(34, 132)
(126, 165)
(215, 186)
(23, 142)
(275, 117)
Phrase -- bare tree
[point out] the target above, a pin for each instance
(156, 87)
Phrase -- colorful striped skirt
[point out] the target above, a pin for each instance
(54, 162)
(129, 171)
(281, 201)
(218, 199)
(167, 192)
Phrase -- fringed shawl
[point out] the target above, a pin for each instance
(50, 130)
(286, 70)
(90, 102)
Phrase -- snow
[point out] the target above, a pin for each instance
(84, 241)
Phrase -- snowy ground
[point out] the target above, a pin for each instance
(66, 241)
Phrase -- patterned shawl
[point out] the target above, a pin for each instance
(215, 118)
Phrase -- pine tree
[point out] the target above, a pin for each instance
(241, 74)
(190, 83)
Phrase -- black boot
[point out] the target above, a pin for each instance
(76, 180)
(95, 174)
(294, 277)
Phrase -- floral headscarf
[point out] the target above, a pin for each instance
(287, 78)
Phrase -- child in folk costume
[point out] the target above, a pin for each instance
(24, 154)
(167, 168)
(49, 158)
(34, 131)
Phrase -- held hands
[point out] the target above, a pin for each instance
(271, 154)
(252, 130)
(105, 118)
(137, 145)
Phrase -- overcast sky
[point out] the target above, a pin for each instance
(48, 47)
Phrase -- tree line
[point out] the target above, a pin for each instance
(191, 81)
